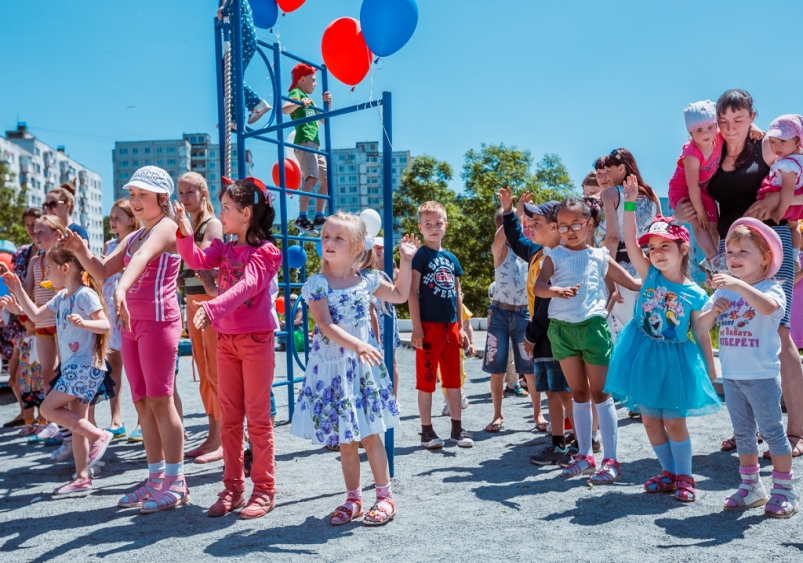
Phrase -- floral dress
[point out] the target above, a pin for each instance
(342, 400)
(31, 385)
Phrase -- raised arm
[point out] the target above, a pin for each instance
(98, 268)
(399, 292)
(634, 252)
(619, 275)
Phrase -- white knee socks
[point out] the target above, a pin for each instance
(607, 427)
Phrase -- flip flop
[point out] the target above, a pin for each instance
(494, 427)
(797, 450)
(541, 426)
(729, 444)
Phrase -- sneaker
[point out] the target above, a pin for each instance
(259, 110)
(118, 433)
(446, 411)
(550, 455)
(430, 440)
(63, 452)
(463, 400)
(135, 437)
(44, 432)
(258, 505)
(303, 225)
(464, 441)
(227, 501)
(75, 487)
(56, 440)
(97, 449)
(596, 446)
(567, 458)
(318, 221)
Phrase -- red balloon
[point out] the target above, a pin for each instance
(280, 305)
(289, 5)
(292, 174)
(6, 259)
(344, 51)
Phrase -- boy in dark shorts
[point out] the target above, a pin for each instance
(436, 311)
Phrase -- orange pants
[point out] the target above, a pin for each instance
(204, 352)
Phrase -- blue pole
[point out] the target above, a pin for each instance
(221, 97)
(327, 140)
(237, 91)
(387, 220)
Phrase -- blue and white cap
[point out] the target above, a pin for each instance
(700, 114)
(152, 179)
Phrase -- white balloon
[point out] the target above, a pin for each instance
(289, 152)
(372, 220)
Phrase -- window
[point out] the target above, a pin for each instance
(341, 168)
(353, 190)
(373, 200)
(211, 165)
(403, 160)
(134, 151)
(352, 157)
(373, 190)
(124, 163)
(352, 178)
(147, 162)
(147, 150)
(123, 151)
(136, 163)
(351, 168)
(394, 180)
(340, 158)
(171, 161)
(38, 152)
(394, 170)
(158, 150)
(342, 190)
(342, 178)
(170, 149)
(213, 176)
(211, 154)
(123, 174)
(159, 162)
(373, 147)
(354, 200)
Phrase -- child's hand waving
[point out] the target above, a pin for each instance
(408, 247)
(631, 188)
(506, 199)
(12, 281)
(184, 224)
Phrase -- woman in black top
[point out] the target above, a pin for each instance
(744, 165)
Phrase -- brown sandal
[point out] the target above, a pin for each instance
(494, 427)
(797, 449)
(728, 444)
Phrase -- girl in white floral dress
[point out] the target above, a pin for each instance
(347, 394)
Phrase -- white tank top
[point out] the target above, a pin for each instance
(510, 280)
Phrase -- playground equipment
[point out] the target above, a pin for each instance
(229, 65)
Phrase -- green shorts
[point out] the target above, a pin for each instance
(590, 339)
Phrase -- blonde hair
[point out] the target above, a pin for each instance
(123, 205)
(357, 235)
(431, 207)
(53, 223)
(199, 183)
(743, 232)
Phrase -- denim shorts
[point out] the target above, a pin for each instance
(549, 377)
(504, 326)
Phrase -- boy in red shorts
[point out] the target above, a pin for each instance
(436, 311)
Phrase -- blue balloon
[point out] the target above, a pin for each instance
(266, 12)
(388, 24)
(296, 256)
(319, 248)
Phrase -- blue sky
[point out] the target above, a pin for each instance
(574, 78)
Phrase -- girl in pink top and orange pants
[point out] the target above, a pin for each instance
(242, 316)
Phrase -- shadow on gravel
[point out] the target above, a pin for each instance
(715, 529)
(613, 505)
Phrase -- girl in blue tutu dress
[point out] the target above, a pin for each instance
(656, 370)
(347, 394)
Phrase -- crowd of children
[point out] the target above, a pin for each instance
(592, 300)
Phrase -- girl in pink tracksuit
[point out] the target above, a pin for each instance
(242, 316)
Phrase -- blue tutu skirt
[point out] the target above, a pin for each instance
(660, 378)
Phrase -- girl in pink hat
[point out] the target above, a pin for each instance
(748, 306)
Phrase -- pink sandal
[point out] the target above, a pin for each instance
(174, 492)
(663, 483)
(580, 465)
(686, 491)
(144, 493)
(382, 512)
(609, 473)
(346, 512)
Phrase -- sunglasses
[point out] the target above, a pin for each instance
(574, 226)
(52, 204)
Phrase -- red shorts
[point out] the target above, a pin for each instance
(710, 206)
(46, 331)
(441, 348)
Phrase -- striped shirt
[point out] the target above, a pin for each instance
(41, 296)
(153, 297)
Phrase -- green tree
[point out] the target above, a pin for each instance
(13, 203)
(484, 172)
(107, 230)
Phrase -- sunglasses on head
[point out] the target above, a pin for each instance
(52, 204)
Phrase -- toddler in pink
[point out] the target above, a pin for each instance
(696, 166)
(242, 316)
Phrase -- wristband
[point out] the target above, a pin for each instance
(630, 206)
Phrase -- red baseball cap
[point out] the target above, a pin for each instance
(664, 227)
(300, 71)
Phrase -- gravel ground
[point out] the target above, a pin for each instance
(452, 504)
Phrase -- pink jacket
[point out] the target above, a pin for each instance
(244, 303)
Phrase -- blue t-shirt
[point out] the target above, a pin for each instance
(79, 230)
(664, 308)
(437, 293)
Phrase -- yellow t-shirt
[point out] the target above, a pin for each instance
(532, 276)
(466, 313)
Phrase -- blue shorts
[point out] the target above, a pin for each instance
(504, 326)
(549, 377)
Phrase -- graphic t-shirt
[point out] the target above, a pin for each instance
(437, 294)
(748, 342)
(664, 308)
(76, 345)
(306, 131)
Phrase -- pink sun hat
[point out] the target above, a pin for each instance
(787, 127)
(769, 235)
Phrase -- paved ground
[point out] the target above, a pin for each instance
(487, 503)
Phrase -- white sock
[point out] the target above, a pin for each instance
(174, 469)
(595, 435)
(582, 426)
(157, 467)
(608, 426)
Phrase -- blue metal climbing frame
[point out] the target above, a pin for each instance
(229, 33)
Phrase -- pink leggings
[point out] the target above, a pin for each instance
(149, 357)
